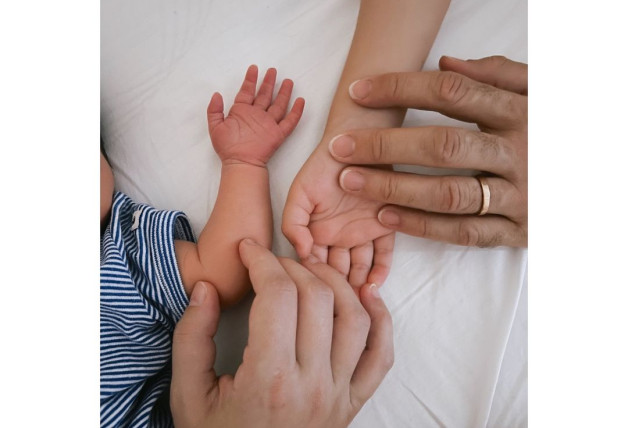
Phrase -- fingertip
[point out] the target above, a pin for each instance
(199, 294)
(370, 292)
(446, 62)
(388, 217)
(251, 73)
(215, 103)
(246, 245)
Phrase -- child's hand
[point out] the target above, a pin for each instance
(256, 125)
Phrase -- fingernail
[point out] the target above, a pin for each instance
(374, 290)
(341, 146)
(351, 180)
(360, 89)
(388, 217)
(249, 241)
(198, 294)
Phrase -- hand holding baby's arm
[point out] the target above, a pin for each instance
(245, 140)
(256, 125)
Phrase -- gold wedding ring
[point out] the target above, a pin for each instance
(486, 195)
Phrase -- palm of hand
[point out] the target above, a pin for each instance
(338, 228)
(249, 133)
(339, 219)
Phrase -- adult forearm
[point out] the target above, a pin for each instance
(390, 36)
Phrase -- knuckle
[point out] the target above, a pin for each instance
(389, 187)
(450, 87)
(419, 227)
(471, 236)
(489, 145)
(454, 195)
(396, 85)
(379, 145)
(282, 285)
(497, 60)
(315, 290)
(448, 146)
(360, 267)
(360, 319)
(279, 392)
(318, 399)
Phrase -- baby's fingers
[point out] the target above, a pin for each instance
(247, 91)
(288, 124)
(278, 109)
(265, 93)
(382, 258)
(215, 113)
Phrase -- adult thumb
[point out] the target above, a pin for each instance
(194, 353)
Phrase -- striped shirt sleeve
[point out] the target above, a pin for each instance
(141, 299)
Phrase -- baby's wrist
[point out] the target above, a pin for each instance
(243, 162)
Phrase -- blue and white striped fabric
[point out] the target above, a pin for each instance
(141, 300)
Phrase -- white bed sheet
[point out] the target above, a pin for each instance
(460, 339)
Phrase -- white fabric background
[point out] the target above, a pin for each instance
(460, 314)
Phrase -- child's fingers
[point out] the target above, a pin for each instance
(361, 263)
(288, 124)
(340, 259)
(382, 258)
(265, 93)
(296, 217)
(215, 111)
(278, 109)
(247, 91)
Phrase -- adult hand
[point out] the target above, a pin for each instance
(491, 92)
(315, 354)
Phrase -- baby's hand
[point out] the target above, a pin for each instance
(256, 125)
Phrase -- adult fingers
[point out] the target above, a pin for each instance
(496, 71)
(361, 264)
(432, 146)
(382, 259)
(315, 318)
(378, 357)
(450, 93)
(265, 93)
(351, 324)
(485, 231)
(194, 353)
(442, 194)
(273, 316)
(246, 94)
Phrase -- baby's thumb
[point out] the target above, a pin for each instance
(194, 350)
(294, 226)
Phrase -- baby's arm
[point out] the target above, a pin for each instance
(244, 140)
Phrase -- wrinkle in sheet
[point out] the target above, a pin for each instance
(432, 415)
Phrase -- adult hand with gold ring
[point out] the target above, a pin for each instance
(488, 210)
